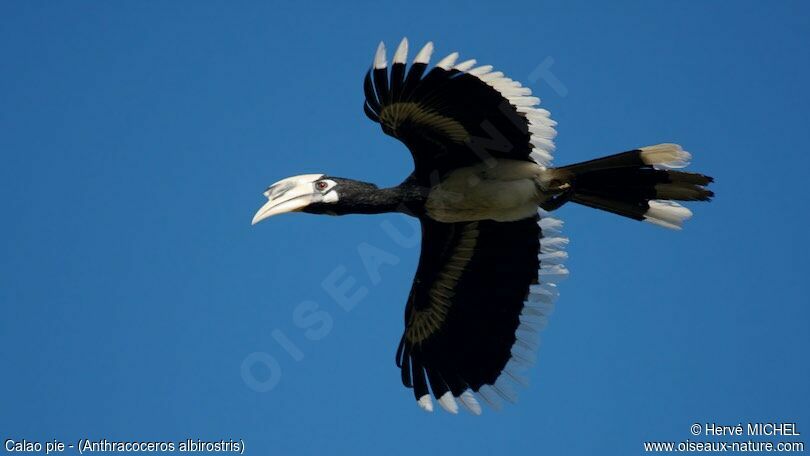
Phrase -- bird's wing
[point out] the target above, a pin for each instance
(455, 115)
(481, 292)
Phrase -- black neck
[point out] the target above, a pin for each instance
(372, 200)
(364, 198)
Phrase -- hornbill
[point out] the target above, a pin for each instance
(482, 188)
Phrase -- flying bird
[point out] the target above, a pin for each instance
(482, 189)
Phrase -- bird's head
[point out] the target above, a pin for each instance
(313, 193)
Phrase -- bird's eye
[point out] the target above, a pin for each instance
(321, 185)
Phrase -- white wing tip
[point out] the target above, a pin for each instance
(401, 54)
(424, 54)
(448, 62)
(448, 403)
(481, 71)
(379, 57)
(465, 65)
(470, 403)
(425, 403)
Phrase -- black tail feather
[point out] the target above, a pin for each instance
(638, 184)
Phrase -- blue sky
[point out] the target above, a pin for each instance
(137, 138)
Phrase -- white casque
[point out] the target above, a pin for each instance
(295, 193)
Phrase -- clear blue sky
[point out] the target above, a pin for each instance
(137, 137)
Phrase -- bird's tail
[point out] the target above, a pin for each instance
(642, 184)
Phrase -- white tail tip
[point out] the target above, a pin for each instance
(665, 156)
(667, 214)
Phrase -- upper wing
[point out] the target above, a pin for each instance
(482, 290)
(455, 115)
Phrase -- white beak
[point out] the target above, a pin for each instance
(288, 195)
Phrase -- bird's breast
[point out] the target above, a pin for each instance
(504, 191)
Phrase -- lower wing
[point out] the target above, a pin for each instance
(481, 292)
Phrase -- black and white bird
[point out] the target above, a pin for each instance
(482, 188)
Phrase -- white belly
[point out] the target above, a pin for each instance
(505, 192)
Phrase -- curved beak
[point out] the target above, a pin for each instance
(288, 195)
